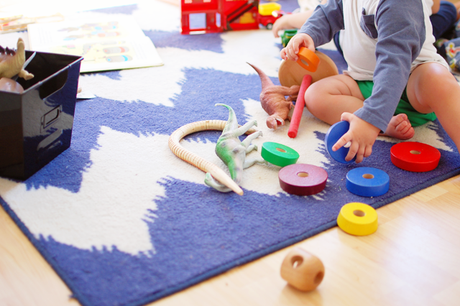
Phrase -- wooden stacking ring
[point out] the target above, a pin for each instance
(308, 59)
(335, 132)
(415, 156)
(302, 270)
(279, 154)
(358, 219)
(302, 179)
(291, 73)
(368, 182)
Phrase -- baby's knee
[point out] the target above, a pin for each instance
(314, 96)
(432, 77)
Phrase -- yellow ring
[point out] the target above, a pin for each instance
(358, 219)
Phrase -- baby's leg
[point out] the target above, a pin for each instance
(329, 98)
(432, 87)
(400, 127)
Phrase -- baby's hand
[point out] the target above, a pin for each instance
(361, 135)
(292, 49)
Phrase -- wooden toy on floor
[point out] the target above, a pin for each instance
(291, 73)
(302, 179)
(316, 65)
(299, 106)
(279, 154)
(302, 270)
(308, 59)
(368, 182)
(334, 133)
(358, 219)
(415, 156)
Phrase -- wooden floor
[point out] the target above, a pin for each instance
(412, 259)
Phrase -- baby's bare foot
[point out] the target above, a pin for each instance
(400, 128)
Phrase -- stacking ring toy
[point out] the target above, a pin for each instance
(302, 269)
(302, 179)
(299, 106)
(333, 135)
(415, 156)
(358, 219)
(278, 154)
(368, 182)
(307, 59)
(291, 73)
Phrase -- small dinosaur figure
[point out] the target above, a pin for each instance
(276, 100)
(12, 62)
(233, 152)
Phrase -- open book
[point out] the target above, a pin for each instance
(109, 43)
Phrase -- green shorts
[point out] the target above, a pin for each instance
(415, 118)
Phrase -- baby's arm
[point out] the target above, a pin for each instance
(401, 34)
(293, 21)
(399, 44)
(436, 6)
(290, 21)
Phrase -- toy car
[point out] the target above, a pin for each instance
(287, 35)
(269, 13)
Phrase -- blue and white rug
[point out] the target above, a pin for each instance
(125, 222)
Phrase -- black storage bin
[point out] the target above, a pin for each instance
(36, 125)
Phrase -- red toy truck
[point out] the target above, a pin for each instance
(227, 15)
(269, 13)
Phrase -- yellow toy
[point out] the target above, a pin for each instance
(358, 219)
(12, 62)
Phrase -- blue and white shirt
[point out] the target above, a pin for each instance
(383, 41)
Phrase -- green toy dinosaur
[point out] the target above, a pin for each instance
(233, 152)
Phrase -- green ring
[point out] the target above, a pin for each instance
(278, 154)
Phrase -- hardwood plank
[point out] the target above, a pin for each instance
(25, 277)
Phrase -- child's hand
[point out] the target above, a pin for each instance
(361, 135)
(292, 49)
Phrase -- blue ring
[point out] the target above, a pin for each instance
(358, 184)
(336, 131)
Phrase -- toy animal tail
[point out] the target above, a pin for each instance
(264, 79)
(232, 122)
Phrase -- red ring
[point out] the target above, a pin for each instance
(415, 156)
(302, 179)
